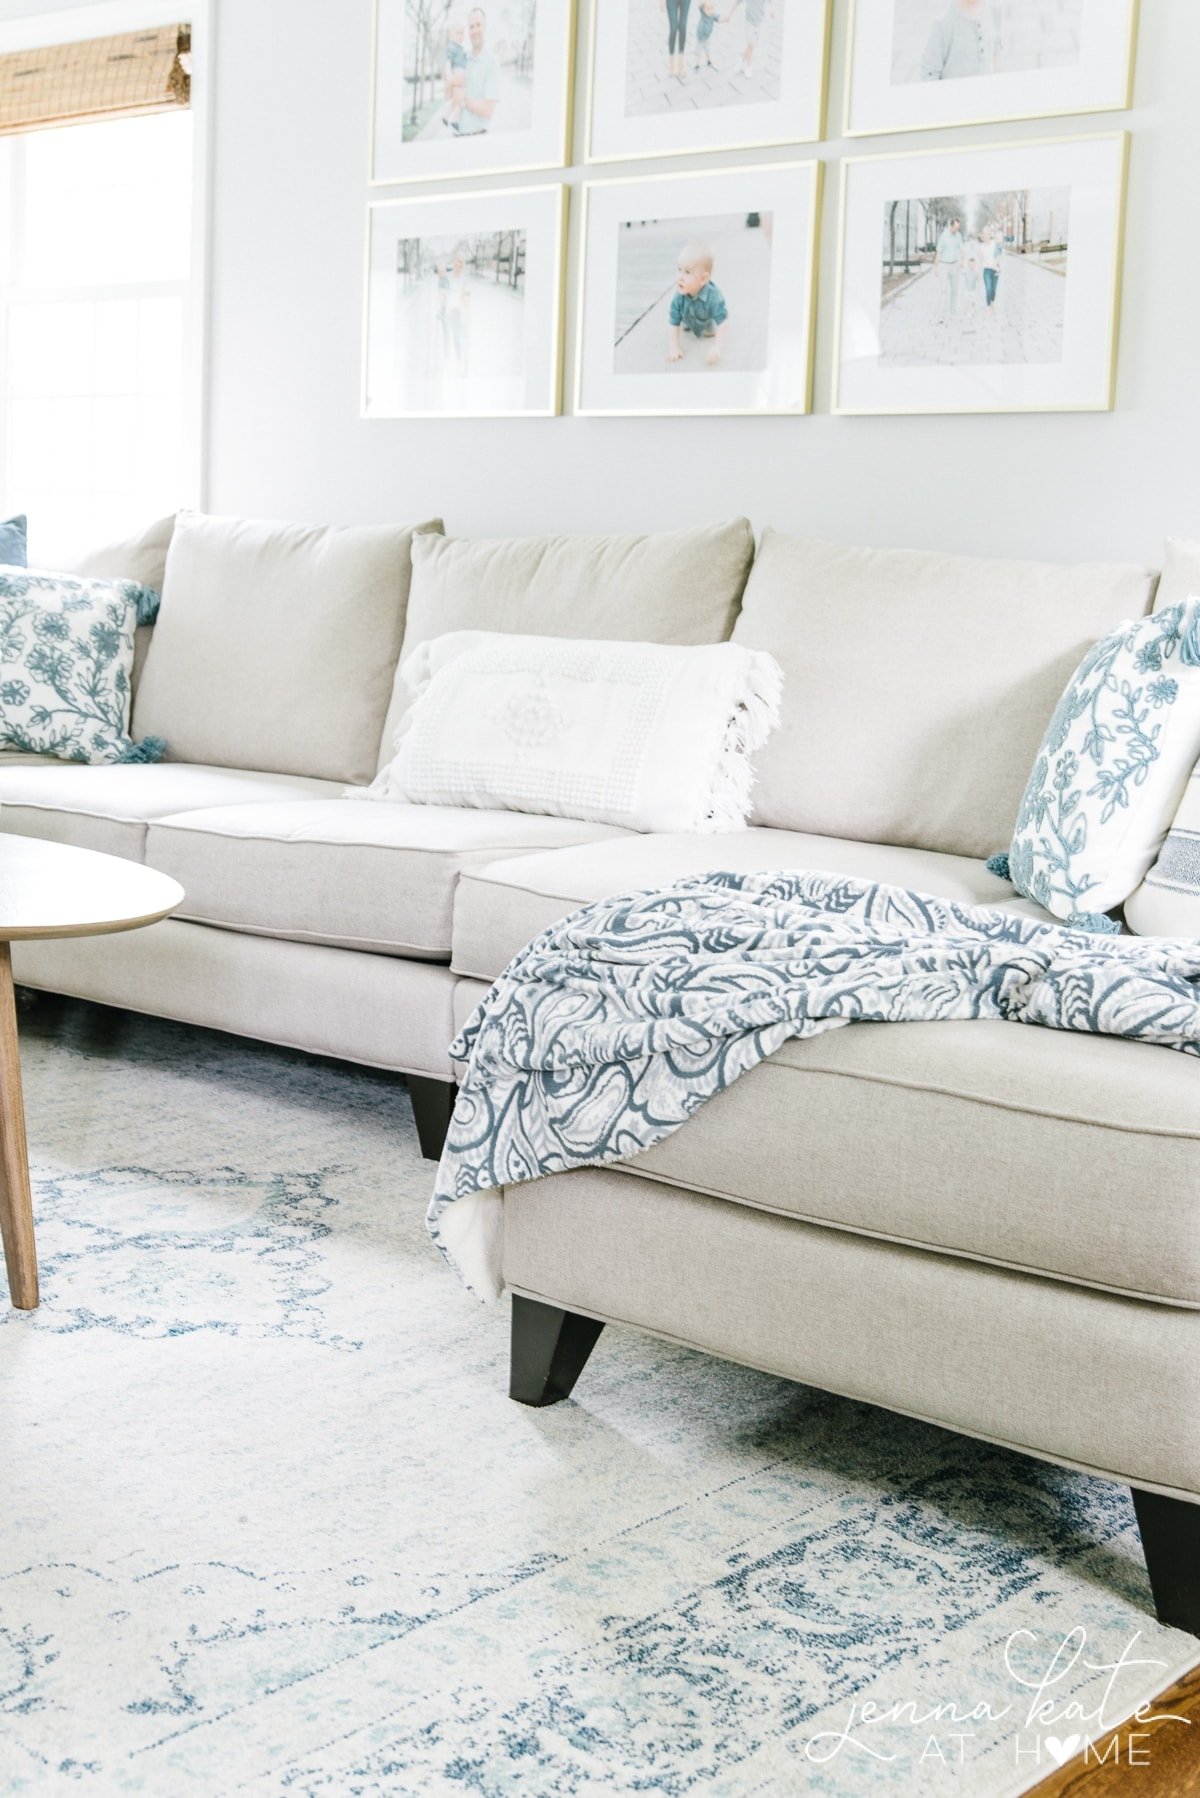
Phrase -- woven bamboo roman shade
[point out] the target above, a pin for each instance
(101, 78)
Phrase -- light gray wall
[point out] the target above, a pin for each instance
(286, 439)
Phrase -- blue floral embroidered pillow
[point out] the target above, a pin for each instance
(1112, 769)
(66, 656)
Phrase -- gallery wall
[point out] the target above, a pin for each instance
(286, 438)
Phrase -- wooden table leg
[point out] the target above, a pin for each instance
(16, 1206)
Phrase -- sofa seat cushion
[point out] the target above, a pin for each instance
(110, 808)
(499, 908)
(1058, 1154)
(374, 875)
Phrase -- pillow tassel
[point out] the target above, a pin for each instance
(758, 713)
(755, 716)
(150, 749)
(148, 602)
(1097, 922)
(999, 864)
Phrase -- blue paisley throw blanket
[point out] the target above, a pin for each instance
(612, 1028)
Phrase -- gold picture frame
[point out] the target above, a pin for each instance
(489, 204)
(1106, 250)
(758, 179)
(560, 137)
(823, 12)
(1119, 90)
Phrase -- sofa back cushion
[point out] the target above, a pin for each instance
(1180, 575)
(674, 587)
(141, 558)
(917, 686)
(276, 645)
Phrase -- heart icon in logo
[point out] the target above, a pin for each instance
(1061, 1752)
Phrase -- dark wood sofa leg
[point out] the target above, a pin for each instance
(1171, 1541)
(549, 1351)
(433, 1106)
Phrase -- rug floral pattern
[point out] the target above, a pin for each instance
(273, 1527)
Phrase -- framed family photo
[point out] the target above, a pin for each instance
(983, 280)
(470, 90)
(676, 77)
(698, 292)
(464, 305)
(924, 63)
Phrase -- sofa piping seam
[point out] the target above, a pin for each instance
(431, 957)
(955, 1253)
(168, 822)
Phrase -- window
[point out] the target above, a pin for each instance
(98, 374)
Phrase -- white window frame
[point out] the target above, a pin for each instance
(108, 18)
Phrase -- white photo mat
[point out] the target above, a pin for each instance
(1100, 81)
(797, 116)
(1094, 169)
(791, 193)
(533, 390)
(543, 144)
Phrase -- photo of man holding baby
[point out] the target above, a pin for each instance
(469, 69)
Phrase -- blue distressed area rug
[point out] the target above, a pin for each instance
(272, 1527)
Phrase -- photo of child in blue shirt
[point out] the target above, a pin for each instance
(698, 305)
(710, 18)
(455, 75)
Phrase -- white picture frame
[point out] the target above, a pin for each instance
(750, 231)
(912, 66)
(463, 305)
(522, 66)
(638, 108)
(923, 328)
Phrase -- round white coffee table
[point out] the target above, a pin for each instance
(51, 889)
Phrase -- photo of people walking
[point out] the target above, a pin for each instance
(975, 279)
(693, 295)
(468, 70)
(952, 40)
(458, 320)
(688, 54)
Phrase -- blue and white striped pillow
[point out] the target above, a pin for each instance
(1168, 901)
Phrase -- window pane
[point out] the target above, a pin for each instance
(51, 348)
(116, 364)
(160, 349)
(108, 204)
(95, 409)
(92, 412)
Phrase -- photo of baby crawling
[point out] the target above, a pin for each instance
(694, 295)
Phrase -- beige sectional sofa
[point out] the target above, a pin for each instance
(992, 1227)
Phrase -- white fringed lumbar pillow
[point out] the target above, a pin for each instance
(645, 735)
(1112, 769)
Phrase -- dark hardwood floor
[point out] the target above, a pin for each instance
(1166, 1756)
